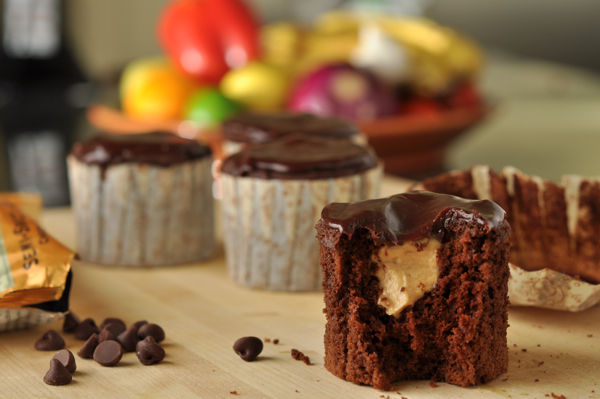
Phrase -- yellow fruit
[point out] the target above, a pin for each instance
(257, 86)
(152, 89)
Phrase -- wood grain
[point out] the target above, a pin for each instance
(203, 313)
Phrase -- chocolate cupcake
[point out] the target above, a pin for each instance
(142, 200)
(273, 195)
(249, 129)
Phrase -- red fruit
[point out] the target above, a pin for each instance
(464, 96)
(206, 38)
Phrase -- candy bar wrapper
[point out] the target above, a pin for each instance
(34, 272)
(139, 215)
(30, 204)
(550, 289)
(269, 235)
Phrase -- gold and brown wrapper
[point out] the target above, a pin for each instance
(30, 204)
(33, 265)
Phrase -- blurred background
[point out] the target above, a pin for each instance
(541, 74)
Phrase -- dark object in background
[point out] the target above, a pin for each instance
(71, 323)
(42, 96)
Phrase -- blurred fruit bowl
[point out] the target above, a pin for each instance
(415, 145)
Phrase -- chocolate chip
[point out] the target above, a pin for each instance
(71, 322)
(108, 353)
(114, 328)
(66, 357)
(112, 320)
(58, 374)
(153, 330)
(86, 329)
(87, 350)
(50, 341)
(106, 335)
(149, 352)
(129, 339)
(138, 324)
(248, 348)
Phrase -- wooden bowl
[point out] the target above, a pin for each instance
(415, 145)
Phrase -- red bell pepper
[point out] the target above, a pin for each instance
(206, 38)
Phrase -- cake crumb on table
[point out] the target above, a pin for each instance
(297, 355)
(433, 384)
(233, 392)
(523, 350)
(267, 339)
(276, 341)
(555, 396)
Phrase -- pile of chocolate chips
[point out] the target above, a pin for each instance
(105, 344)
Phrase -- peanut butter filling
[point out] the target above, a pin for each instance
(406, 273)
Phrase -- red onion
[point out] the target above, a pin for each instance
(343, 91)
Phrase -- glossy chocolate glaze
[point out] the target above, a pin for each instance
(160, 149)
(261, 128)
(410, 216)
(299, 156)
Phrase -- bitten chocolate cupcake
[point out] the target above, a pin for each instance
(250, 128)
(273, 195)
(142, 200)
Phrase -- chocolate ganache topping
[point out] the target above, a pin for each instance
(160, 149)
(300, 156)
(410, 216)
(261, 128)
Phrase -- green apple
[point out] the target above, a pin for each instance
(208, 107)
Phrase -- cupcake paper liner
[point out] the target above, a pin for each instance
(25, 317)
(550, 289)
(143, 215)
(269, 235)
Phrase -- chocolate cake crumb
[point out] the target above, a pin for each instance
(523, 350)
(555, 396)
(297, 355)
(540, 363)
(505, 379)
(233, 392)
(433, 384)
(297, 391)
(267, 339)
(590, 335)
(536, 380)
(275, 341)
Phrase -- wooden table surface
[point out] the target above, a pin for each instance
(203, 313)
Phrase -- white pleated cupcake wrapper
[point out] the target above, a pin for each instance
(269, 226)
(550, 289)
(142, 215)
(20, 318)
